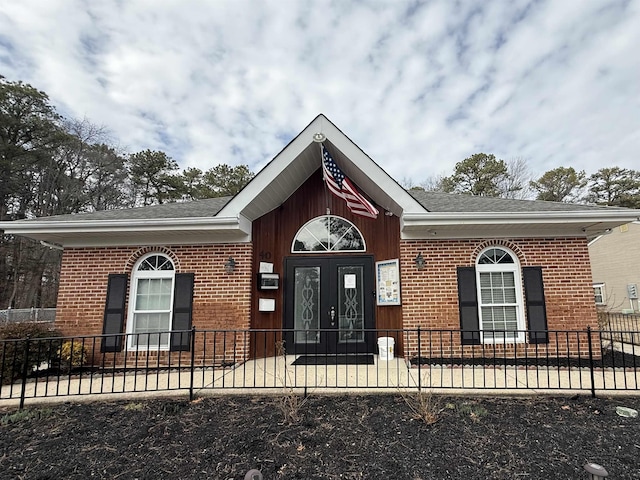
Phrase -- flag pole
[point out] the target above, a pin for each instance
(319, 138)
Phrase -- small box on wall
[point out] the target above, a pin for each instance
(267, 304)
(268, 281)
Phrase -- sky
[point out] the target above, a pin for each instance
(417, 85)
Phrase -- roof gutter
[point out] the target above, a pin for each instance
(434, 219)
(67, 227)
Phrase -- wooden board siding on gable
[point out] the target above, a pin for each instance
(273, 235)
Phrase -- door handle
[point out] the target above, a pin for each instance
(332, 314)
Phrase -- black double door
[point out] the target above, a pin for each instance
(329, 305)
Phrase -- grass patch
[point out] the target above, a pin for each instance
(134, 407)
(27, 415)
(472, 410)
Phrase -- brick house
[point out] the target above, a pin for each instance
(285, 252)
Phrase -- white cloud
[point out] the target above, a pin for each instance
(418, 87)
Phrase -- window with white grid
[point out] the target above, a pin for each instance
(500, 296)
(598, 293)
(150, 303)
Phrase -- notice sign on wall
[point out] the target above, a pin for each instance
(388, 282)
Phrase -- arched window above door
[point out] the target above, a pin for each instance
(328, 233)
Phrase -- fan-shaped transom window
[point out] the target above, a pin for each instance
(155, 263)
(494, 256)
(500, 296)
(328, 234)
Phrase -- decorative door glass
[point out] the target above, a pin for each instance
(329, 305)
(307, 305)
(350, 304)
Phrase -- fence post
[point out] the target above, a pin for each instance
(593, 384)
(193, 362)
(419, 363)
(25, 368)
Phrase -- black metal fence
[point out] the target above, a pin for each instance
(212, 360)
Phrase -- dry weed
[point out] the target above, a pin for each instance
(424, 406)
(289, 403)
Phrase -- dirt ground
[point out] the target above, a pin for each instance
(322, 437)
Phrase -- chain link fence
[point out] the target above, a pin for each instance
(18, 315)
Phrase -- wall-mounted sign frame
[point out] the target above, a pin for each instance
(267, 304)
(388, 282)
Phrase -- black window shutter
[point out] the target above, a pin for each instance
(114, 313)
(534, 300)
(468, 301)
(182, 307)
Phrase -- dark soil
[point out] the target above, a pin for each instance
(609, 359)
(326, 437)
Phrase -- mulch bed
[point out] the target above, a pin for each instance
(363, 359)
(610, 359)
(324, 437)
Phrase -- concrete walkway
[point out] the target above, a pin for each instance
(276, 375)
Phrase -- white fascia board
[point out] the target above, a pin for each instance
(144, 239)
(435, 219)
(371, 173)
(271, 171)
(232, 224)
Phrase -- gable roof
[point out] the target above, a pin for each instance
(228, 219)
(281, 177)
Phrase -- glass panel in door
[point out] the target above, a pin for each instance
(306, 315)
(350, 304)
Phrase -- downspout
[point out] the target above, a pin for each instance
(51, 245)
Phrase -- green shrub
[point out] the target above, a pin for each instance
(72, 355)
(43, 346)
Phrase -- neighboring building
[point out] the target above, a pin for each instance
(285, 252)
(615, 263)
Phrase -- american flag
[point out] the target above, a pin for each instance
(342, 187)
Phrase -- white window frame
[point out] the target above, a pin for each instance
(137, 275)
(331, 249)
(517, 276)
(601, 294)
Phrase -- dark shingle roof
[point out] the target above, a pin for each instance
(457, 203)
(432, 201)
(208, 207)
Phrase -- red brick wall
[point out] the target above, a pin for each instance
(220, 301)
(430, 296)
